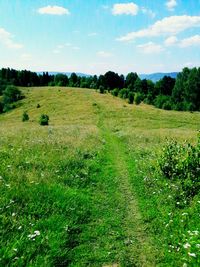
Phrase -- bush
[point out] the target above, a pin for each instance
(44, 120)
(25, 116)
(11, 94)
(115, 92)
(1, 107)
(130, 97)
(163, 101)
(181, 164)
(123, 93)
(101, 89)
(138, 98)
(38, 106)
(167, 105)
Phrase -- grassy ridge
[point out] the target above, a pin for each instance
(62, 187)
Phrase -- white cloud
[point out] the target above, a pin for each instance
(148, 12)
(76, 48)
(104, 54)
(191, 41)
(56, 51)
(127, 9)
(171, 4)
(92, 34)
(6, 38)
(26, 57)
(150, 48)
(53, 10)
(167, 26)
(172, 40)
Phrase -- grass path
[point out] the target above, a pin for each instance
(138, 247)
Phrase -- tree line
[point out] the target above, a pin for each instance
(182, 93)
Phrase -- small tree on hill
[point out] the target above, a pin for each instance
(25, 116)
(44, 120)
(130, 97)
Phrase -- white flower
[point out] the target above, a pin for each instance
(187, 245)
(196, 232)
(37, 232)
(192, 254)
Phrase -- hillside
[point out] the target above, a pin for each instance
(154, 77)
(83, 191)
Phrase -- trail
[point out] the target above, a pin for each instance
(139, 250)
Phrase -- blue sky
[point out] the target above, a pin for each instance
(94, 36)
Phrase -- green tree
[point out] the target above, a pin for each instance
(44, 120)
(11, 94)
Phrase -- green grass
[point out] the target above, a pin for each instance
(85, 190)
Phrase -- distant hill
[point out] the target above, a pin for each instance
(157, 76)
(66, 73)
(153, 76)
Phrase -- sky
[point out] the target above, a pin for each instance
(95, 36)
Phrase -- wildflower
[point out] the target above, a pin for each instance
(7, 185)
(187, 245)
(15, 249)
(196, 232)
(20, 227)
(198, 245)
(32, 236)
(185, 213)
(13, 214)
(192, 254)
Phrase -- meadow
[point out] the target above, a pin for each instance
(86, 190)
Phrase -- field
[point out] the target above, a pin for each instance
(85, 190)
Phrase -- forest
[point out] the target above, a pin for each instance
(182, 93)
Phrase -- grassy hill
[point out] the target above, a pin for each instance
(85, 191)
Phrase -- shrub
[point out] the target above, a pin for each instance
(101, 89)
(138, 98)
(115, 92)
(167, 105)
(163, 101)
(130, 97)
(1, 107)
(38, 106)
(25, 116)
(44, 120)
(11, 94)
(181, 164)
(123, 93)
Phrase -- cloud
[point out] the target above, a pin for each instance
(125, 9)
(53, 10)
(191, 41)
(76, 48)
(148, 12)
(172, 40)
(171, 4)
(26, 57)
(92, 34)
(167, 26)
(150, 48)
(6, 38)
(104, 54)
